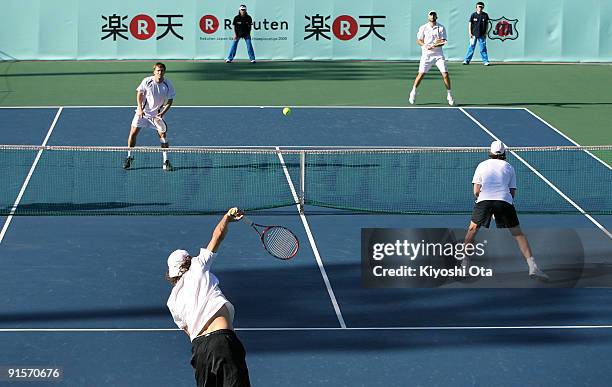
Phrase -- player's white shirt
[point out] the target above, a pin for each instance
(155, 94)
(495, 177)
(196, 297)
(428, 34)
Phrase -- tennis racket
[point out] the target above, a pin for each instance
(160, 124)
(438, 43)
(278, 241)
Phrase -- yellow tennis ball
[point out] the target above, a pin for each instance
(286, 111)
(232, 211)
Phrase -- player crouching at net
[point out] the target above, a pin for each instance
(154, 96)
(431, 37)
(199, 308)
(495, 187)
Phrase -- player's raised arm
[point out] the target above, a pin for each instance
(232, 215)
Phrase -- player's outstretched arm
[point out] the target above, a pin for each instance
(233, 215)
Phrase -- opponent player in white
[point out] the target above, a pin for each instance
(431, 37)
(494, 188)
(154, 95)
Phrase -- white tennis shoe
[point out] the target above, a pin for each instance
(536, 273)
(412, 97)
(450, 100)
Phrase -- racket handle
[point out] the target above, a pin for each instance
(247, 220)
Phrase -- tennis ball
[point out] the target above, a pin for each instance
(232, 211)
(286, 111)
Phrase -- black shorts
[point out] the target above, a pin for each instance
(219, 360)
(505, 214)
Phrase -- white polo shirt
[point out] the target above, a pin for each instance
(156, 94)
(196, 297)
(495, 177)
(428, 34)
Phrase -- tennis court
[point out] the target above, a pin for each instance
(87, 293)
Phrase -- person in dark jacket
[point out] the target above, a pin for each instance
(478, 26)
(242, 29)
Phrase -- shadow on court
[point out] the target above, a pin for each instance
(351, 341)
(82, 314)
(285, 71)
(295, 296)
(261, 71)
(404, 307)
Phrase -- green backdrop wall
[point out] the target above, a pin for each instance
(522, 30)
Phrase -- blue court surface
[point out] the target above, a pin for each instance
(88, 294)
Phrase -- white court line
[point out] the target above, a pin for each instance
(315, 250)
(271, 106)
(551, 185)
(28, 177)
(567, 138)
(425, 328)
(309, 329)
(30, 107)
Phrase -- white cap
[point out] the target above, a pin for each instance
(175, 260)
(498, 147)
(432, 11)
(242, 8)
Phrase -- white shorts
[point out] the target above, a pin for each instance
(428, 60)
(143, 122)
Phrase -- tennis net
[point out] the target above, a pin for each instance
(91, 181)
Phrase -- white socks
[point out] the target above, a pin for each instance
(165, 154)
(532, 264)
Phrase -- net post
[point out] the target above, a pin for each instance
(302, 181)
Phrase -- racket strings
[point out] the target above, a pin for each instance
(280, 242)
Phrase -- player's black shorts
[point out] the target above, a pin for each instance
(219, 360)
(505, 214)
